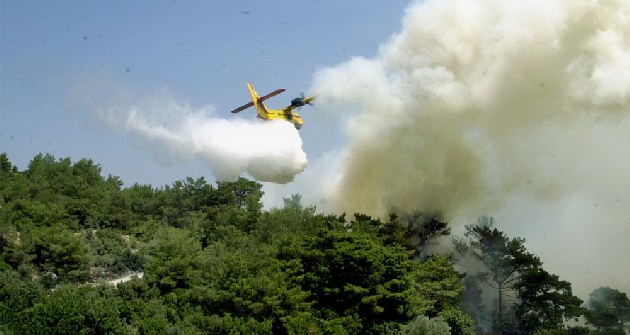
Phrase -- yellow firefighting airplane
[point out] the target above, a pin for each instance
(287, 113)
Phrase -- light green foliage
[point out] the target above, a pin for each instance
(423, 325)
(459, 321)
(59, 253)
(112, 250)
(242, 198)
(293, 219)
(172, 260)
(77, 188)
(438, 282)
(66, 310)
(25, 214)
(72, 310)
(244, 280)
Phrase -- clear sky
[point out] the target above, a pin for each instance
(61, 59)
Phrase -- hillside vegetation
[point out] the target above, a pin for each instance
(205, 258)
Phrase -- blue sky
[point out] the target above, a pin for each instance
(61, 60)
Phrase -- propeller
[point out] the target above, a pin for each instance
(299, 101)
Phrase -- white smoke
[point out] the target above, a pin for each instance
(266, 151)
(517, 109)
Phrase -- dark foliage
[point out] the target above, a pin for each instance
(201, 258)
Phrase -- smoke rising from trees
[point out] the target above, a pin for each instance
(520, 110)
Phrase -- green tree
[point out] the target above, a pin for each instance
(112, 252)
(423, 325)
(544, 301)
(142, 200)
(413, 230)
(172, 260)
(13, 184)
(505, 259)
(176, 201)
(16, 294)
(235, 204)
(213, 260)
(460, 322)
(73, 310)
(59, 254)
(78, 189)
(364, 286)
(423, 230)
(292, 219)
(241, 193)
(245, 196)
(246, 284)
(608, 309)
(5, 164)
(44, 172)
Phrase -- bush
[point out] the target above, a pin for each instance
(423, 325)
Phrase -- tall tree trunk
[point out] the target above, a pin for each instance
(500, 310)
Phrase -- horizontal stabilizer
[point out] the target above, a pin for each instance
(272, 94)
(260, 99)
(244, 107)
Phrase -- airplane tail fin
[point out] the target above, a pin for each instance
(257, 101)
(253, 92)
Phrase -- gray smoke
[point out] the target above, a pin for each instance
(515, 109)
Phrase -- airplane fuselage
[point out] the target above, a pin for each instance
(287, 113)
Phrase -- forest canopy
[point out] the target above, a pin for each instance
(80, 253)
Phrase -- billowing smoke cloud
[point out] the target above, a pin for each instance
(516, 109)
(267, 151)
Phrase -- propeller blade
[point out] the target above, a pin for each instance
(309, 100)
(242, 108)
